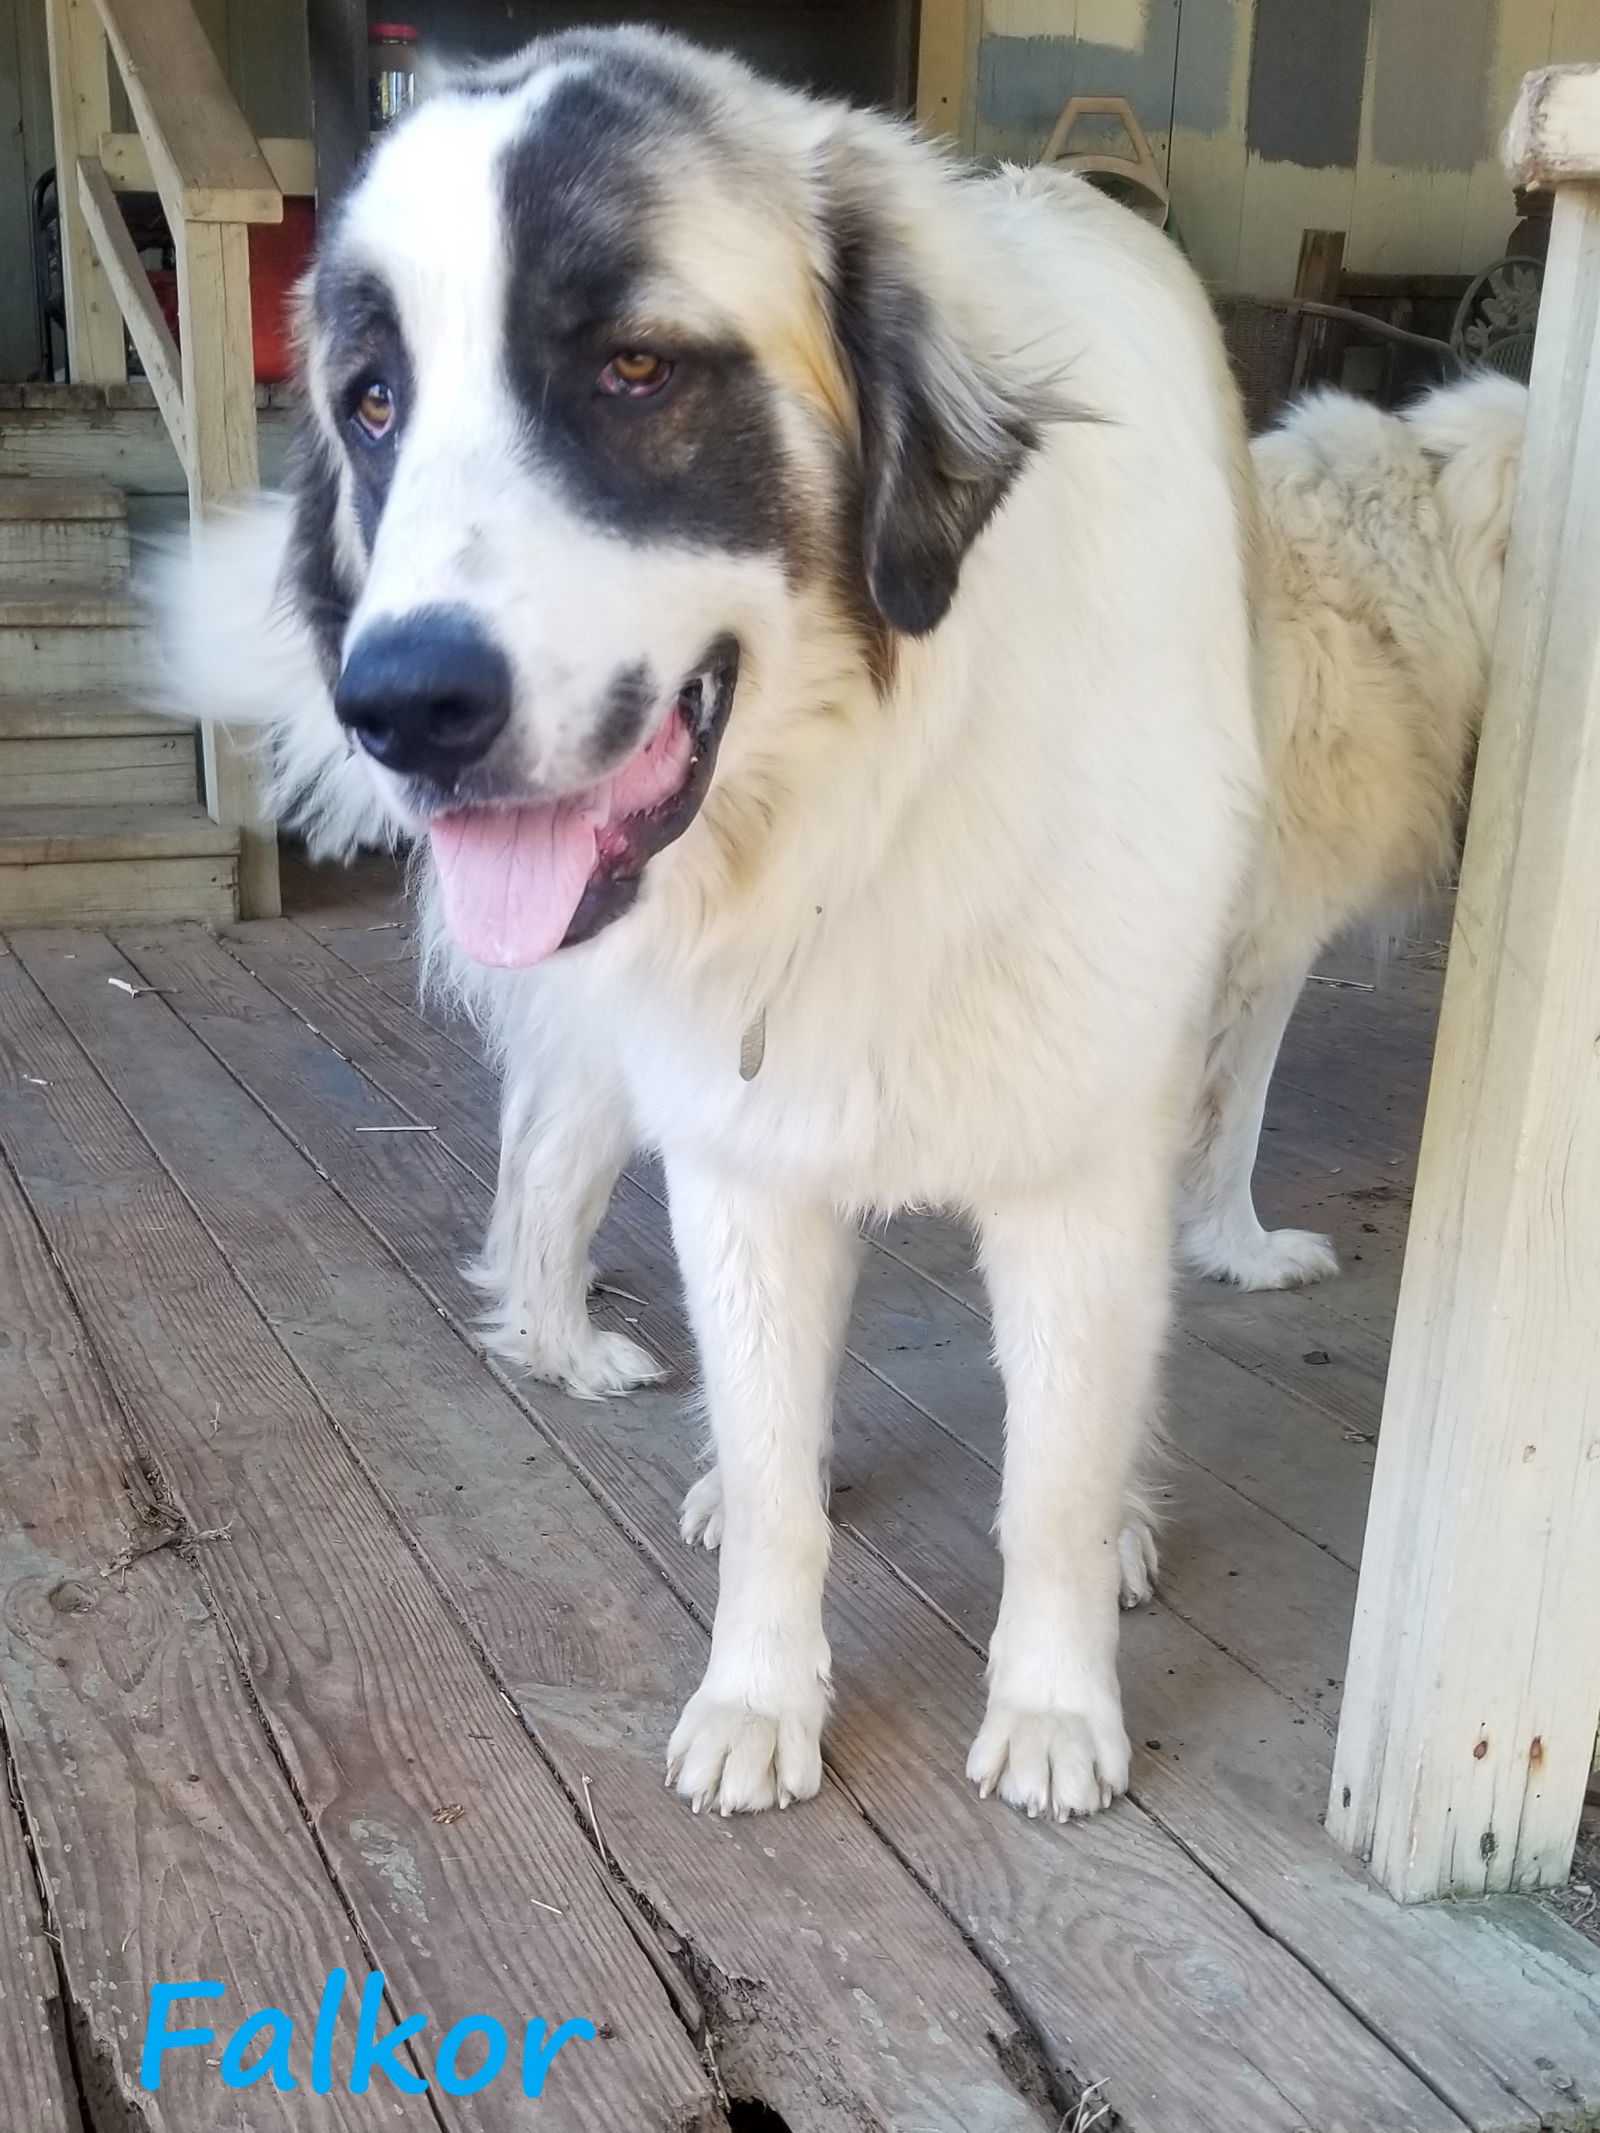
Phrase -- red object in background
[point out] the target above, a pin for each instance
(280, 252)
(165, 284)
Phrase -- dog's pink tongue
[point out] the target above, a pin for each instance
(513, 878)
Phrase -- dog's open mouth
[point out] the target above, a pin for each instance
(520, 882)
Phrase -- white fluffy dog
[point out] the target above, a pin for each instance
(1384, 538)
(796, 591)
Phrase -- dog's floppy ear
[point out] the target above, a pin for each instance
(941, 440)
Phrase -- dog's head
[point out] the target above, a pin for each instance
(622, 368)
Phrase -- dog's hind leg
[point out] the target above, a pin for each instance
(768, 1279)
(1220, 1233)
(1078, 1281)
(565, 1134)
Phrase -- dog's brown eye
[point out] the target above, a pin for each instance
(375, 410)
(635, 373)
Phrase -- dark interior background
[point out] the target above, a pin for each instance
(861, 49)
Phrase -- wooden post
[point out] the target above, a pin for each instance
(1317, 277)
(1474, 1678)
(220, 406)
(947, 50)
(336, 32)
(80, 109)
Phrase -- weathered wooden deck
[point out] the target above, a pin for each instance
(325, 1644)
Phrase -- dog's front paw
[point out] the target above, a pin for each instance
(593, 1364)
(1056, 1762)
(700, 1520)
(733, 1760)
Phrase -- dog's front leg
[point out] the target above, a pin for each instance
(1078, 1282)
(565, 1133)
(768, 1279)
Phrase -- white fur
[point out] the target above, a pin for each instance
(981, 905)
(1384, 539)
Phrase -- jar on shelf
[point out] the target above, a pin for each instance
(391, 72)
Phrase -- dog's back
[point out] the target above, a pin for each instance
(1383, 543)
(1385, 537)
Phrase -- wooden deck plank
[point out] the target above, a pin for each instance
(796, 1939)
(1223, 1551)
(172, 1843)
(375, 1700)
(1498, 2006)
(33, 2070)
(907, 1694)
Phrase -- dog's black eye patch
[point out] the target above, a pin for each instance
(670, 436)
(364, 352)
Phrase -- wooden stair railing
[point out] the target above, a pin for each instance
(214, 181)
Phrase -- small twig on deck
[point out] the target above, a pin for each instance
(133, 991)
(1343, 984)
(594, 1824)
(179, 1534)
(607, 1288)
(397, 1129)
(550, 1907)
(386, 925)
(1092, 2109)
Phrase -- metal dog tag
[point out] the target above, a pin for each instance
(753, 1048)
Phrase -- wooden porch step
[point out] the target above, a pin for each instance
(62, 640)
(86, 717)
(23, 497)
(35, 606)
(62, 533)
(94, 865)
(87, 751)
(91, 770)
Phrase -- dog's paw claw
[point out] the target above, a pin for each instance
(1136, 1550)
(1056, 1762)
(734, 1760)
(700, 1520)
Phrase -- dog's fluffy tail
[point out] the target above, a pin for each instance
(233, 648)
(1473, 433)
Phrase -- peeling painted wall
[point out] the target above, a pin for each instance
(1377, 117)
(1023, 81)
(1308, 69)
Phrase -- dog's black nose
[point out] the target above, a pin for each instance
(426, 694)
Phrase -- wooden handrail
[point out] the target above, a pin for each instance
(215, 181)
(206, 162)
(289, 158)
(130, 284)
